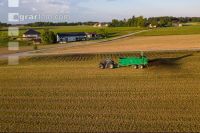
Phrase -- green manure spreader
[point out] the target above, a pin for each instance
(136, 62)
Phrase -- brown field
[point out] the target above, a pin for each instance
(151, 43)
(68, 93)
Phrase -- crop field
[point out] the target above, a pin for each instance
(69, 93)
(57, 29)
(193, 24)
(117, 31)
(185, 30)
(138, 43)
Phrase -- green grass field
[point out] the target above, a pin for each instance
(193, 24)
(117, 31)
(69, 93)
(185, 30)
(57, 29)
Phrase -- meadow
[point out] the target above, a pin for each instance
(57, 29)
(185, 30)
(69, 93)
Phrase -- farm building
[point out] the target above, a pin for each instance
(177, 25)
(31, 34)
(101, 25)
(152, 26)
(71, 37)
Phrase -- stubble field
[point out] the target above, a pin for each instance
(138, 43)
(69, 93)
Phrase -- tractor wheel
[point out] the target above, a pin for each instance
(101, 66)
(141, 67)
(111, 66)
(136, 66)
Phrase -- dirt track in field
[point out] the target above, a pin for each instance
(134, 43)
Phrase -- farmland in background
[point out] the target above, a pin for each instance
(185, 30)
(27, 45)
(137, 43)
(113, 32)
(193, 28)
(194, 23)
(57, 29)
(69, 93)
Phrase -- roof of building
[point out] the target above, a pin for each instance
(72, 34)
(31, 32)
(91, 33)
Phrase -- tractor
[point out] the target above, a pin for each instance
(107, 63)
(137, 62)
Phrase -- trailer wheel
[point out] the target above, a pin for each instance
(141, 67)
(111, 66)
(136, 66)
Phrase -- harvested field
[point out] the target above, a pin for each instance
(70, 94)
(150, 43)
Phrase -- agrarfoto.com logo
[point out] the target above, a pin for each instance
(16, 17)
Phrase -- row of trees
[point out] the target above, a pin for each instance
(4, 24)
(156, 21)
(132, 22)
(39, 24)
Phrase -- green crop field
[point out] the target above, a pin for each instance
(194, 23)
(57, 29)
(69, 93)
(185, 30)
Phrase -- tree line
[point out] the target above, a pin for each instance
(140, 21)
(4, 24)
(154, 21)
(40, 24)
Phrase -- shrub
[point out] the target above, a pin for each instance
(48, 37)
(104, 32)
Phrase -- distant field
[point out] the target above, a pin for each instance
(69, 93)
(194, 23)
(118, 31)
(185, 30)
(137, 43)
(115, 31)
